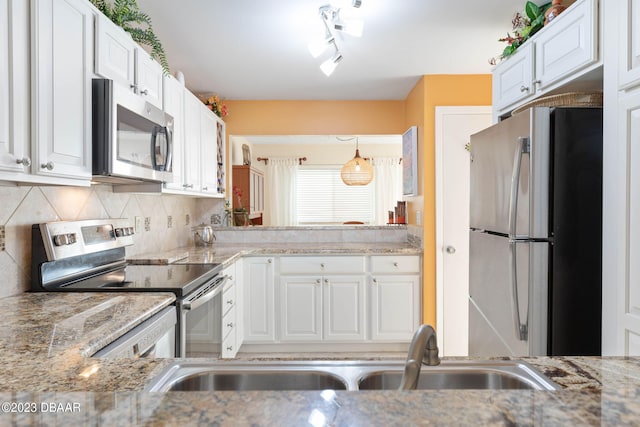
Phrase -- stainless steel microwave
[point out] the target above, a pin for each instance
(132, 139)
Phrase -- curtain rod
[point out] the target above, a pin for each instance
(266, 160)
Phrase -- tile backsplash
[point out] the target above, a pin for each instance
(166, 221)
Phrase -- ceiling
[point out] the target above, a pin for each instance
(257, 49)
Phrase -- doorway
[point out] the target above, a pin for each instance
(453, 128)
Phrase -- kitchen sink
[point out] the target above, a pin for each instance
(345, 375)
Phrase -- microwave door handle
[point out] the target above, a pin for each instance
(154, 139)
(521, 148)
(521, 328)
(169, 143)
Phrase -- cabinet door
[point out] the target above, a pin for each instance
(629, 128)
(62, 47)
(115, 55)
(629, 50)
(14, 86)
(395, 307)
(568, 45)
(512, 79)
(208, 151)
(300, 308)
(192, 108)
(344, 308)
(173, 104)
(221, 156)
(148, 78)
(258, 300)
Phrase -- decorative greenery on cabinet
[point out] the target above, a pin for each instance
(127, 15)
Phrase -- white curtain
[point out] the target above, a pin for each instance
(280, 192)
(387, 181)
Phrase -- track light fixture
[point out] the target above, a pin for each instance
(330, 15)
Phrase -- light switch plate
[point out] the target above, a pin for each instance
(138, 224)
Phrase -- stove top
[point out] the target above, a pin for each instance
(181, 279)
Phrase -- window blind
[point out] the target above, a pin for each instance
(322, 198)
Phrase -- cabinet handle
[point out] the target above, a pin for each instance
(317, 281)
(230, 348)
(144, 92)
(187, 185)
(395, 264)
(269, 260)
(230, 324)
(230, 301)
(524, 88)
(25, 161)
(537, 82)
(48, 166)
(205, 188)
(322, 265)
(375, 281)
(326, 281)
(132, 86)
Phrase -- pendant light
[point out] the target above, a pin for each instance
(357, 171)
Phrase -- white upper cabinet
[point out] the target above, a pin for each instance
(556, 57)
(62, 69)
(208, 150)
(14, 87)
(512, 79)
(629, 50)
(173, 104)
(192, 117)
(120, 58)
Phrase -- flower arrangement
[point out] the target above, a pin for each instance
(524, 26)
(217, 106)
(240, 214)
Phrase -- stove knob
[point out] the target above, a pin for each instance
(131, 231)
(120, 232)
(71, 238)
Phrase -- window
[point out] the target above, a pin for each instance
(322, 198)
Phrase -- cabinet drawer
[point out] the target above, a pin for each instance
(395, 264)
(228, 322)
(228, 297)
(322, 265)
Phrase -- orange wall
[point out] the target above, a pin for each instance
(314, 117)
(441, 90)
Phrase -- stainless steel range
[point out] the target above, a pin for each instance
(84, 256)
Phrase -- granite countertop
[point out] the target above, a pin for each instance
(48, 379)
(226, 253)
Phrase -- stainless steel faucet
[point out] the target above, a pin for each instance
(423, 349)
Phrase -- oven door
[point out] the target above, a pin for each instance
(200, 318)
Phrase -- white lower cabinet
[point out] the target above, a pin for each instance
(322, 308)
(258, 300)
(395, 307)
(394, 297)
(231, 313)
(331, 300)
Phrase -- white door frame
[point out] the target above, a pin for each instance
(440, 113)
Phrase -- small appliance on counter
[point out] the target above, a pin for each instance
(89, 256)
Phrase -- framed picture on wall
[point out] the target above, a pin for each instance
(410, 162)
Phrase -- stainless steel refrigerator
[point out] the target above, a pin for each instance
(535, 241)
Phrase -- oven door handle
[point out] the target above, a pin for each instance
(197, 302)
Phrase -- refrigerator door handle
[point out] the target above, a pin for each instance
(522, 147)
(521, 328)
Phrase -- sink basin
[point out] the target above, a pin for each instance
(345, 375)
(458, 377)
(257, 380)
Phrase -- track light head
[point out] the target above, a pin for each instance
(329, 66)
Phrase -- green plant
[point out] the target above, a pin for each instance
(127, 15)
(524, 27)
